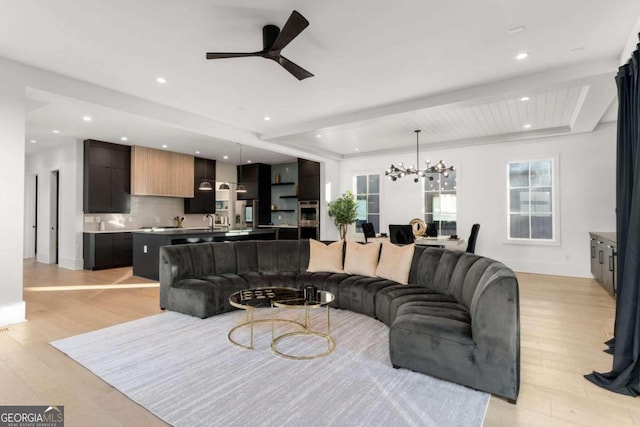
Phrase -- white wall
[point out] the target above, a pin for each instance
(329, 190)
(67, 159)
(586, 184)
(12, 107)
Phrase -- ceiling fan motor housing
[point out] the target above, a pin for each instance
(269, 35)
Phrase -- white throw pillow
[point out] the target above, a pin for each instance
(361, 259)
(327, 258)
(395, 262)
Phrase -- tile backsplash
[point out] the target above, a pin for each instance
(146, 211)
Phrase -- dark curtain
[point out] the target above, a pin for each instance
(624, 377)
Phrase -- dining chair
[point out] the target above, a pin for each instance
(473, 237)
(401, 234)
(368, 230)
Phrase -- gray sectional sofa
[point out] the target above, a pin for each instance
(458, 318)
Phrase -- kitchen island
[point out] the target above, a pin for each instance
(147, 243)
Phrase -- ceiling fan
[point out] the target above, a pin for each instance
(273, 41)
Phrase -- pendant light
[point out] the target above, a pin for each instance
(400, 171)
(224, 186)
(241, 188)
(205, 185)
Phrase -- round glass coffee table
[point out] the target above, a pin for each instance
(250, 299)
(321, 299)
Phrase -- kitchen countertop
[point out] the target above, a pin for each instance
(198, 231)
(148, 230)
(279, 226)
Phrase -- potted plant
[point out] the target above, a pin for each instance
(343, 211)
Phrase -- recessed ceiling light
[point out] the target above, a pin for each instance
(124, 138)
(522, 55)
(248, 161)
(357, 149)
(161, 80)
(516, 29)
(525, 99)
(56, 131)
(165, 146)
(267, 118)
(318, 136)
(527, 126)
(197, 152)
(87, 118)
(33, 141)
(225, 157)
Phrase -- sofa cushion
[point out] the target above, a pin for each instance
(224, 254)
(390, 299)
(361, 259)
(358, 293)
(278, 256)
(325, 258)
(325, 281)
(196, 297)
(286, 279)
(395, 262)
(246, 256)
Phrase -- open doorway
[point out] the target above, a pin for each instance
(35, 219)
(54, 215)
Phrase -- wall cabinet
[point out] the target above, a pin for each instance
(107, 250)
(604, 260)
(161, 173)
(308, 180)
(203, 201)
(256, 178)
(107, 177)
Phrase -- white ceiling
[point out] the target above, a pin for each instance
(381, 71)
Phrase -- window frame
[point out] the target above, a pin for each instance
(424, 191)
(555, 203)
(367, 174)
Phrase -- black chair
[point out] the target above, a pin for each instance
(368, 230)
(473, 237)
(401, 234)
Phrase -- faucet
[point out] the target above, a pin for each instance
(212, 218)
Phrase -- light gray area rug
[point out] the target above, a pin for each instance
(184, 370)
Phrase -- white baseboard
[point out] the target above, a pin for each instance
(12, 313)
(556, 269)
(71, 263)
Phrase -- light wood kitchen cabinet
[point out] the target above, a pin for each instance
(161, 173)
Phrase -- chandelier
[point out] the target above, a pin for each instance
(394, 172)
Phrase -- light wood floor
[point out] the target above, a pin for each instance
(564, 322)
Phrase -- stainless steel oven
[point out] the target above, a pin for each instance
(308, 213)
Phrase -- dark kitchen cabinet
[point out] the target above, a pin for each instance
(203, 201)
(107, 250)
(107, 177)
(308, 180)
(288, 234)
(604, 260)
(256, 178)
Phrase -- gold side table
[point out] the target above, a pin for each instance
(249, 300)
(323, 299)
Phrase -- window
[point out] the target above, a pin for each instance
(440, 204)
(531, 201)
(368, 199)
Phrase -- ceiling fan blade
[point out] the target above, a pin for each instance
(299, 72)
(219, 55)
(294, 26)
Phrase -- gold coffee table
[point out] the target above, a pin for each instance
(323, 299)
(250, 299)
